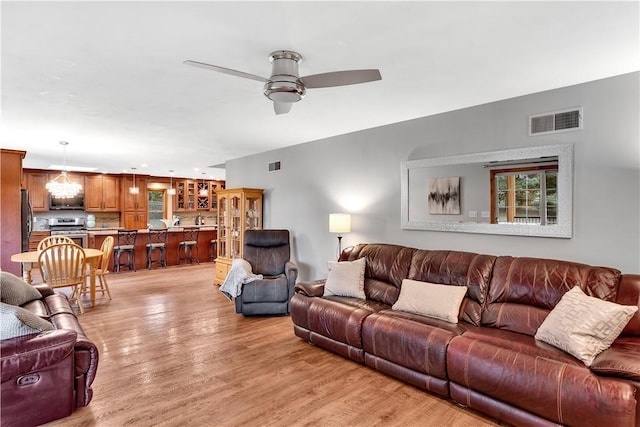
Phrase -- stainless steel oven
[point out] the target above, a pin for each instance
(73, 228)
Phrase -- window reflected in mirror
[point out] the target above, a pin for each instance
(525, 195)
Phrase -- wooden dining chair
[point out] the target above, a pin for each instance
(102, 268)
(63, 265)
(53, 240)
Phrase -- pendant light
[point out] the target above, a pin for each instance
(134, 189)
(171, 191)
(203, 189)
(61, 186)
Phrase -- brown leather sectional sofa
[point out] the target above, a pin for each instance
(46, 376)
(490, 360)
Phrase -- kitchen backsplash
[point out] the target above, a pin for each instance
(112, 219)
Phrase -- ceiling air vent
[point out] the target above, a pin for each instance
(558, 121)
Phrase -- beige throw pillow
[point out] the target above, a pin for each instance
(430, 299)
(346, 279)
(15, 291)
(584, 326)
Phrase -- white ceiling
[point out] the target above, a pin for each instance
(108, 76)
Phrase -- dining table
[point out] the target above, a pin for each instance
(30, 259)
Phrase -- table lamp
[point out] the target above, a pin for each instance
(339, 223)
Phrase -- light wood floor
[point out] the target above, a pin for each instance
(173, 352)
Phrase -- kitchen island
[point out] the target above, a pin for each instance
(96, 236)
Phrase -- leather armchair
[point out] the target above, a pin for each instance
(268, 252)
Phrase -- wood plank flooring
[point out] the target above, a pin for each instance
(173, 352)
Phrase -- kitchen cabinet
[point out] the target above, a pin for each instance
(36, 237)
(185, 199)
(214, 186)
(10, 220)
(102, 193)
(239, 209)
(35, 183)
(135, 214)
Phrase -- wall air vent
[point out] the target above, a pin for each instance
(274, 166)
(558, 121)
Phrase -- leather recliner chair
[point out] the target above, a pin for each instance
(268, 252)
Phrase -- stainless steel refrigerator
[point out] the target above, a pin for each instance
(26, 215)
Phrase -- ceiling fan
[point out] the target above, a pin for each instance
(285, 87)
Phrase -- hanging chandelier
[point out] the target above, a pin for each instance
(61, 186)
(134, 189)
(203, 189)
(171, 191)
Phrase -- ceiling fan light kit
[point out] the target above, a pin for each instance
(285, 87)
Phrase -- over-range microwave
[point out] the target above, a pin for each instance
(69, 203)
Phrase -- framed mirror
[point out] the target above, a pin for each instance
(520, 192)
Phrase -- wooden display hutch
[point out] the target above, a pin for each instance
(239, 209)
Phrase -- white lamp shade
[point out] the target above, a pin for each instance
(339, 223)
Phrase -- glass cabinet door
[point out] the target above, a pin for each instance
(253, 214)
(236, 226)
(191, 195)
(223, 228)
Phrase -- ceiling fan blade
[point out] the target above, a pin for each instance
(340, 78)
(282, 107)
(225, 70)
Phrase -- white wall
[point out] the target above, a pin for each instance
(360, 173)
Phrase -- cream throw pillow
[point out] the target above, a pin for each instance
(430, 299)
(584, 326)
(346, 279)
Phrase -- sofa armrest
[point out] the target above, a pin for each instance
(34, 352)
(310, 289)
(86, 366)
(622, 359)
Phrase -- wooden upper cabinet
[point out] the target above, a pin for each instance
(134, 202)
(35, 183)
(185, 198)
(102, 193)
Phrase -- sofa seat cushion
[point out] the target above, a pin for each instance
(274, 289)
(622, 359)
(341, 318)
(410, 340)
(520, 343)
(557, 392)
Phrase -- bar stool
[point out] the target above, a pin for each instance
(213, 244)
(126, 244)
(188, 244)
(157, 241)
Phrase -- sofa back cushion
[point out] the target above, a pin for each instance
(458, 269)
(386, 266)
(523, 291)
(629, 294)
